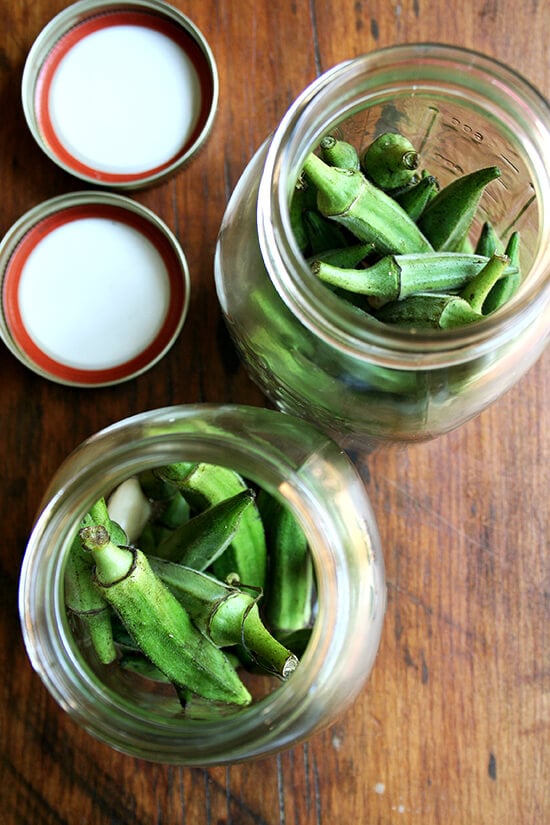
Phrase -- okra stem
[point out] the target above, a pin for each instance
(99, 514)
(227, 615)
(346, 196)
(390, 160)
(395, 277)
(112, 562)
(159, 624)
(477, 290)
(249, 630)
(174, 473)
(339, 153)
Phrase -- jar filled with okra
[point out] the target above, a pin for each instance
(204, 584)
(384, 261)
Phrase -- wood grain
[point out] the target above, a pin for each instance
(454, 725)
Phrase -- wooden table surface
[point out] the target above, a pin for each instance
(454, 724)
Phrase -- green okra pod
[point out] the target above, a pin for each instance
(297, 206)
(503, 290)
(322, 233)
(225, 614)
(99, 514)
(296, 640)
(172, 513)
(429, 311)
(174, 473)
(395, 277)
(85, 601)
(82, 598)
(347, 197)
(208, 484)
(158, 623)
(137, 663)
(447, 219)
(390, 161)
(155, 488)
(195, 706)
(151, 536)
(477, 290)
(198, 542)
(414, 199)
(488, 243)
(289, 594)
(346, 256)
(339, 153)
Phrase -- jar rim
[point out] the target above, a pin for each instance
(338, 322)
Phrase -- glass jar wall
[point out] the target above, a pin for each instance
(312, 353)
(289, 459)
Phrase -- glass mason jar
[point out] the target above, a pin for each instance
(288, 458)
(307, 349)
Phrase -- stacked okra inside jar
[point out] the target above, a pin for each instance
(189, 576)
(379, 230)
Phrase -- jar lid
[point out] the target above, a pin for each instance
(120, 94)
(94, 287)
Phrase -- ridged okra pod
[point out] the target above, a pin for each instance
(322, 234)
(509, 283)
(85, 601)
(487, 243)
(347, 197)
(82, 598)
(447, 219)
(395, 277)
(226, 614)
(198, 542)
(158, 623)
(345, 256)
(297, 206)
(447, 311)
(204, 485)
(414, 199)
(289, 595)
(429, 311)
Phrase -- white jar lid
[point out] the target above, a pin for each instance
(95, 289)
(120, 94)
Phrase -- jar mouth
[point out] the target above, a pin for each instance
(203, 433)
(423, 70)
